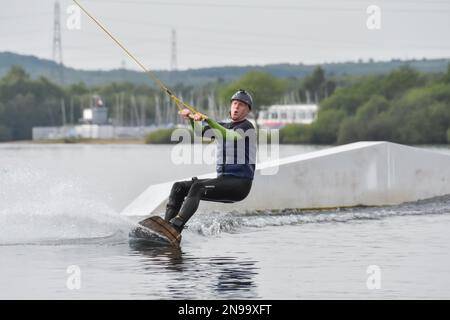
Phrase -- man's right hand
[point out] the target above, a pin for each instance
(185, 113)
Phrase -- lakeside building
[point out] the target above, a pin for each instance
(277, 116)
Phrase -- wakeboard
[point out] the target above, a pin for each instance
(156, 230)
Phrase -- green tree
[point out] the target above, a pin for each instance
(447, 75)
(350, 130)
(422, 115)
(325, 128)
(19, 112)
(318, 86)
(27, 103)
(349, 99)
(399, 81)
(264, 88)
(14, 82)
(366, 124)
(314, 82)
(295, 133)
(78, 89)
(5, 132)
(372, 108)
(380, 129)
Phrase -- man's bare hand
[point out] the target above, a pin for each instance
(199, 117)
(185, 113)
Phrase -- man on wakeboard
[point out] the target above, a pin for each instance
(235, 166)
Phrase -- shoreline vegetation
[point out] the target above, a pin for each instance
(403, 106)
(79, 141)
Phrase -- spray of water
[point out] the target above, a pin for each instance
(36, 206)
(214, 223)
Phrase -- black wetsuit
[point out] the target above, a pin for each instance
(235, 170)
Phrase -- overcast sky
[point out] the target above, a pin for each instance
(219, 32)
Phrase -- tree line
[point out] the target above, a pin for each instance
(26, 103)
(404, 105)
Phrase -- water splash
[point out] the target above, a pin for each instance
(215, 223)
(38, 207)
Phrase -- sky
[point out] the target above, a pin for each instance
(228, 33)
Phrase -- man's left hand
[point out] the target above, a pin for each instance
(199, 117)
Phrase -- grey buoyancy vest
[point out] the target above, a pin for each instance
(237, 157)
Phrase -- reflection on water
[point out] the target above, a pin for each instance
(191, 277)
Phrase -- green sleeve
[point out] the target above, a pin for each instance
(192, 124)
(197, 128)
(224, 132)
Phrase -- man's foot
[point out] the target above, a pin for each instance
(177, 228)
(177, 223)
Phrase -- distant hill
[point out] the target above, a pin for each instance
(41, 67)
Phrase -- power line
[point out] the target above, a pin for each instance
(404, 7)
(234, 32)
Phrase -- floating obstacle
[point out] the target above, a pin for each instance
(361, 173)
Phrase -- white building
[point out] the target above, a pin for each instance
(94, 125)
(277, 116)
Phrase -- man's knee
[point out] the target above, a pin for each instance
(179, 191)
(177, 187)
(196, 189)
(180, 187)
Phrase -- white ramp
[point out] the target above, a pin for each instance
(361, 173)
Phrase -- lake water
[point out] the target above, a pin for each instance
(59, 212)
